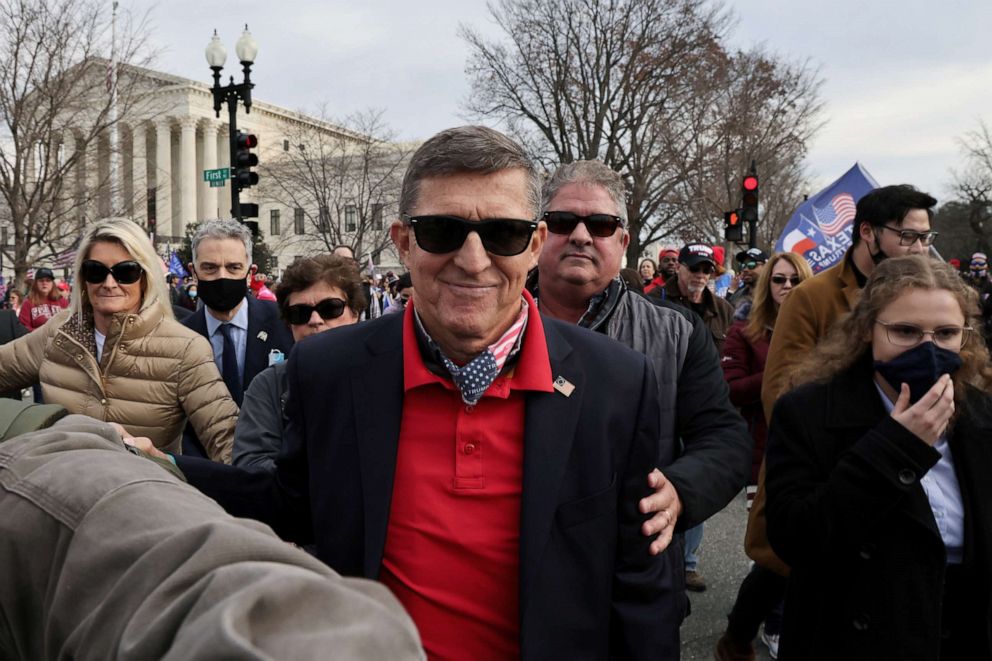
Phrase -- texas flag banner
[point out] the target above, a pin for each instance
(820, 229)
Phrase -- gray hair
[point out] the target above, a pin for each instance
(589, 173)
(475, 149)
(130, 236)
(223, 229)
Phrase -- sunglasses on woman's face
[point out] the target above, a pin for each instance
(504, 237)
(781, 279)
(125, 273)
(329, 308)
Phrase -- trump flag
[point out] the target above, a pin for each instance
(820, 229)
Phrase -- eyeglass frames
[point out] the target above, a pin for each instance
(909, 237)
(782, 279)
(909, 335)
(329, 308)
(504, 237)
(125, 273)
(597, 224)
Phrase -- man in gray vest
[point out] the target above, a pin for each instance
(578, 281)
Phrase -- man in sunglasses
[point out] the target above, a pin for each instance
(697, 265)
(578, 282)
(484, 462)
(751, 262)
(892, 221)
(243, 331)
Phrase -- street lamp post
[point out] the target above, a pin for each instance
(246, 50)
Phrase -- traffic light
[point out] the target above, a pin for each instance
(749, 190)
(241, 175)
(733, 228)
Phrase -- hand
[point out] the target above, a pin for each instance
(664, 503)
(145, 444)
(927, 418)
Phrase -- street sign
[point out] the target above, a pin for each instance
(218, 175)
(217, 184)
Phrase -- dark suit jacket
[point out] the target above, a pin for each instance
(846, 510)
(263, 318)
(10, 330)
(588, 587)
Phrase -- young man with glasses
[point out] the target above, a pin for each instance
(892, 221)
(577, 281)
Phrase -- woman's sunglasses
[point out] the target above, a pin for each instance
(781, 279)
(329, 308)
(504, 237)
(597, 224)
(125, 273)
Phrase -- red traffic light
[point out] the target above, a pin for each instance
(733, 218)
(247, 140)
(750, 183)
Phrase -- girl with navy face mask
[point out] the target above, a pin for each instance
(879, 492)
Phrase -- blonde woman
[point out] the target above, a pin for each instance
(118, 355)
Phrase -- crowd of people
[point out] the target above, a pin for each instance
(518, 438)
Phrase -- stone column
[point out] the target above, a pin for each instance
(210, 195)
(187, 173)
(163, 177)
(139, 170)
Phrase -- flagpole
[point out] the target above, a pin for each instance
(115, 182)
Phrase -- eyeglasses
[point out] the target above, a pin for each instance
(597, 224)
(125, 273)
(781, 279)
(909, 335)
(909, 237)
(750, 265)
(701, 268)
(329, 308)
(504, 237)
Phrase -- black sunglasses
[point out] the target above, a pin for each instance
(504, 237)
(125, 273)
(329, 308)
(702, 268)
(597, 224)
(780, 279)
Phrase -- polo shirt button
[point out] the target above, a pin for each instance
(469, 448)
(907, 476)
(103, 401)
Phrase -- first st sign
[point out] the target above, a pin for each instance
(216, 177)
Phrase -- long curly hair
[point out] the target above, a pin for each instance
(764, 312)
(850, 338)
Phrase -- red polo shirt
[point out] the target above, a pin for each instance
(453, 544)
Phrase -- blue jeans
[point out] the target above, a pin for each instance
(693, 540)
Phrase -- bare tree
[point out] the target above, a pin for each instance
(969, 216)
(342, 181)
(647, 87)
(55, 107)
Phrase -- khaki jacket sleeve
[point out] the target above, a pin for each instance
(206, 401)
(796, 333)
(21, 359)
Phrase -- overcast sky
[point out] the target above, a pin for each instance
(902, 80)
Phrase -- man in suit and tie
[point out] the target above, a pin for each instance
(242, 330)
(482, 461)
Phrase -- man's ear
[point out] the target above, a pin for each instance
(866, 231)
(399, 232)
(190, 268)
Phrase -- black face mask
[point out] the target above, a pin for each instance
(919, 368)
(222, 294)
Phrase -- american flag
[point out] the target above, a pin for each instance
(836, 216)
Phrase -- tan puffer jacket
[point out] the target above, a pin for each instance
(154, 373)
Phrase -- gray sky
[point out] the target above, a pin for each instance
(903, 80)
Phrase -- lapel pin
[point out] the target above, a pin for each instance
(263, 336)
(563, 386)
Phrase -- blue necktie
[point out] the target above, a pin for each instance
(229, 365)
(475, 377)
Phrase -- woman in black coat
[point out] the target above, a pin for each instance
(879, 478)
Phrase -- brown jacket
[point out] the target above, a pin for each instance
(806, 316)
(718, 314)
(154, 373)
